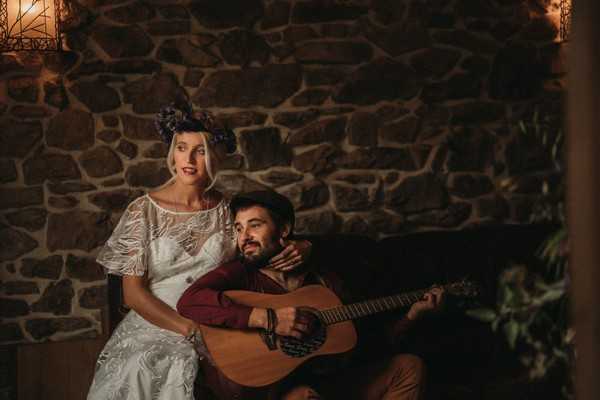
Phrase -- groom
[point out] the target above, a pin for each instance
(263, 221)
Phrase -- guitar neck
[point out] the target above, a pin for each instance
(369, 307)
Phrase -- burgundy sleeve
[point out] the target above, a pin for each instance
(204, 302)
(398, 330)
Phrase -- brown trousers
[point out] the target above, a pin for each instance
(401, 377)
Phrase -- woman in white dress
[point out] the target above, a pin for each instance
(164, 241)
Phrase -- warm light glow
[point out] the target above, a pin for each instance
(565, 19)
(33, 18)
(29, 25)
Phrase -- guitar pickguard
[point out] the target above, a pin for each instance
(302, 347)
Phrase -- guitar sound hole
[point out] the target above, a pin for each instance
(302, 347)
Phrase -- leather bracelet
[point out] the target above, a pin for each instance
(270, 320)
(270, 337)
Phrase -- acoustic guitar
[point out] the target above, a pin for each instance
(245, 358)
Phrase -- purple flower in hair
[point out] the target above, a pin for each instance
(171, 120)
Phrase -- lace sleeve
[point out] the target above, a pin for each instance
(125, 251)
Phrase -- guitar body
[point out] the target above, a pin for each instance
(242, 355)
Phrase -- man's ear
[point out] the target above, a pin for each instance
(285, 230)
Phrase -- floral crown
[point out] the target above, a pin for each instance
(172, 119)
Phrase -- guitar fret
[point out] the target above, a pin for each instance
(332, 317)
(359, 310)
(348, 313)
(375, 304)
(338, 316)
(342, 312)
(404, 300)
(384, 304)
(368, 307)
(362, 310)
(385, 301)
(390, 303)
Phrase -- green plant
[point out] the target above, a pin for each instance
(532, 308)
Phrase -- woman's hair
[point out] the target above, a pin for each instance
(218, 140)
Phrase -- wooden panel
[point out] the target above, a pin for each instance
(57, 371)
(584, 192)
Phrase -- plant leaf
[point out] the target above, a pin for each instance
(482, 314)
(511, 330)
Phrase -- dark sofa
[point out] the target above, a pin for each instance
(465, 359)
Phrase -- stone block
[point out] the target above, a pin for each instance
(383, 79)
(114, 201)
(328, 130)
(362, 129)
(32, 219)
(96, 96)
(71, 130)
(18, 137)
(243, 47)
(148, 174)
(100, 162)
(218, 14)
(417, 194)
(135, 128)
(148, 95)
(267, 86)
(318, 161)
(93, 297)
(56, 299)
(263, 148)
(122, 41)
(85, 269)
(21, 197)
(46, 268)
(83, 230)
(333, 53)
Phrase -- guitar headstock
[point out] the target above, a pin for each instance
(464, 288)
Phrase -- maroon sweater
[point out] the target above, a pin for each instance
(205, 303)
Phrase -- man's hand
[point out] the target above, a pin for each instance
(294, 253)
(294, 322)
(433, 300)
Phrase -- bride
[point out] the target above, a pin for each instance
(164, 241)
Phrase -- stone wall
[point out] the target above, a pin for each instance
(375, 117)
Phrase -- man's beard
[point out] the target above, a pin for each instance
(261, 259)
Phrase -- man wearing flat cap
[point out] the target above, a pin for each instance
(264, 220)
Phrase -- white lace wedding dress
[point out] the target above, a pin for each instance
(141, 360)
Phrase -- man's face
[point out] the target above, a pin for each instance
(257, 235)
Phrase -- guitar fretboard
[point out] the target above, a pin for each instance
(369, 307)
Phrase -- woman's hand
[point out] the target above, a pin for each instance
(294, 254)
(432, 300)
